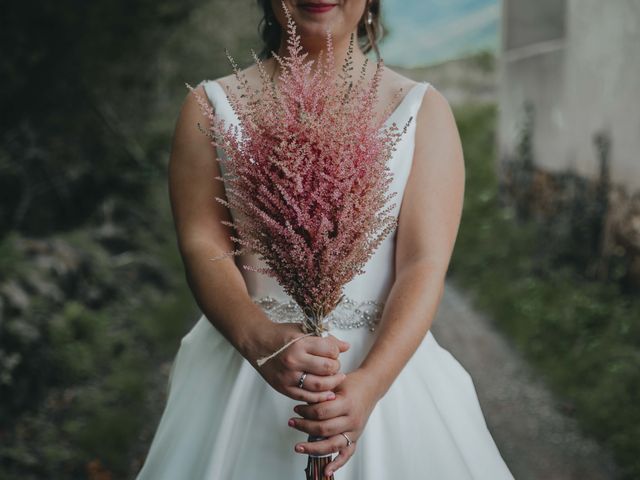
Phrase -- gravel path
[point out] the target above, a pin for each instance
(535, 438)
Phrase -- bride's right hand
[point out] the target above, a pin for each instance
(315, 356)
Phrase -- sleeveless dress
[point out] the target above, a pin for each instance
(222, 421)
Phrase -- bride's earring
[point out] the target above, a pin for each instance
(369, 17)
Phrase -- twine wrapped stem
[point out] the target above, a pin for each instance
(315, 322)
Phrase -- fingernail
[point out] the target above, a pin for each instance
(331, 396)
(296, 409)
(299, 448)
(329, 473)
(292, 422)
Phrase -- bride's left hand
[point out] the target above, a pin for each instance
(348, 413)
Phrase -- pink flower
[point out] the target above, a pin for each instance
(307, 173)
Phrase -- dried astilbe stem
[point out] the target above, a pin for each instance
(305, 171)
(306, 178)
(316, 466)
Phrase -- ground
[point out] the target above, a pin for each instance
(536, 439)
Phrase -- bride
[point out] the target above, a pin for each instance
(390, 402)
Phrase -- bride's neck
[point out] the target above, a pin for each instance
(340, 50)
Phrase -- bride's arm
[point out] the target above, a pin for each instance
(218, 287)
(427, 228)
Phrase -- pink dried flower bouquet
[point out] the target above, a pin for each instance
(307, 174)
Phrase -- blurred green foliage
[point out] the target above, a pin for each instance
(89, 381)
(582, 334)
(93, 301)
(74, 73)
(89, 90)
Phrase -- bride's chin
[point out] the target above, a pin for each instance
(315, 32)
(306, 23)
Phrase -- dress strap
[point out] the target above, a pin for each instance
(214, 92)
(219, 101)
(422, 89)
(410, 103)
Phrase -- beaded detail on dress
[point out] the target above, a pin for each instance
(348, 314)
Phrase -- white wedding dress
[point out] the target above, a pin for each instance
(222, 421)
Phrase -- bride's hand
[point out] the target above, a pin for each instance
(355, 399)
(315, 356)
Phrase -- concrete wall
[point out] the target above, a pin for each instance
(580, 66)
(603, 85)
(533, 21)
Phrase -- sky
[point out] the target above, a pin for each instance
(423, 32)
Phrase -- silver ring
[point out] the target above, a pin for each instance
(349, 441)
(301, 381)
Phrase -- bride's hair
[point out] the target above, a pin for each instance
(368, 34)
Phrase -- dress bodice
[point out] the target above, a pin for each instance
(374, 284)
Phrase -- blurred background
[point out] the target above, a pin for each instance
(542, 303)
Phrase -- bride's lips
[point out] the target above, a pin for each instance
(317, 7)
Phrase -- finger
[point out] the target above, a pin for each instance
(342, 345)
(327, 347)
(345, 454)
(322, 410)
(322, 428)
(323, 347)
(307, 396)
(321, 447)
(319, 365)
(322, 383)
(304, 361)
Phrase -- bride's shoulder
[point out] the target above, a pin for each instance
(394, 83)
(224, 81)
(203, 91)
(434, 106)
(230, 82)
(198, 100)
(433, 99)
(206, 83)
(249, 73)
(396, 80)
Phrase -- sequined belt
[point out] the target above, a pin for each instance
(347, 315)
